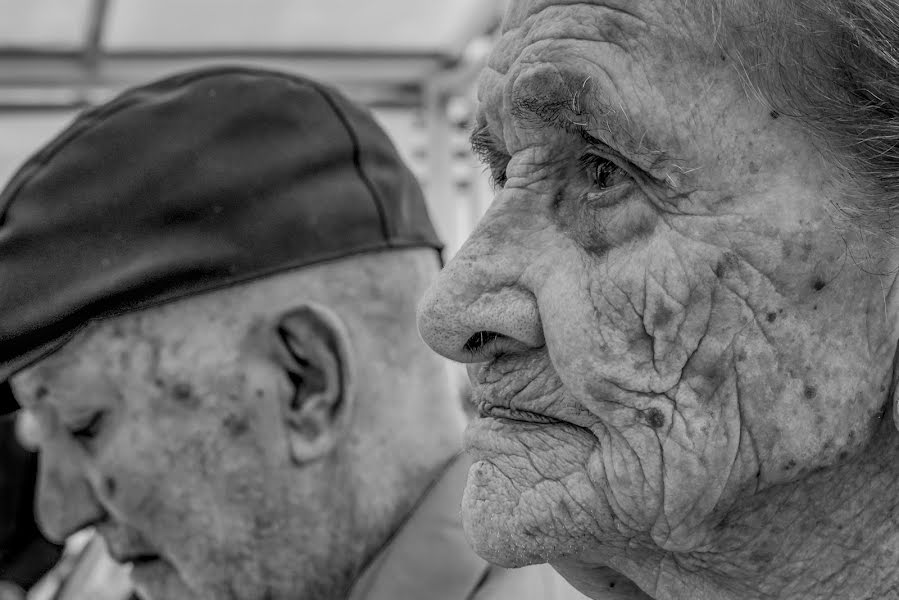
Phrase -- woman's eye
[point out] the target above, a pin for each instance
(603, 173)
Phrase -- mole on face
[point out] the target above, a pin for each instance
(772, 317)
(774, 114)
(810, 392)
(654, 417)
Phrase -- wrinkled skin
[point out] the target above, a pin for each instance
(685, 309)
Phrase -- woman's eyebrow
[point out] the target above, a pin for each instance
(483, 143)
(584, 113)
(566, 111)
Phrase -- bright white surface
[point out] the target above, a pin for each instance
(394, 25)
(50, 24)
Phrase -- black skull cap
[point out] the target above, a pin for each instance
(192, 183)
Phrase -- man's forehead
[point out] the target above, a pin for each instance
(99, 340)
(30, 383)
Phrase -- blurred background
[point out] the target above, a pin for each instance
(413, 62)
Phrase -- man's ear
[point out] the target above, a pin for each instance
(313, 348)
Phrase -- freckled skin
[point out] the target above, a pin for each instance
(159, 423)
(192, 458)
(696, 335)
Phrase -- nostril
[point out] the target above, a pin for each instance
(477, 342)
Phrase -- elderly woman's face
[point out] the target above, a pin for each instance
(661, 316)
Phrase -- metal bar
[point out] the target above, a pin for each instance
(60, 69)
(444, 60)
(93, 38)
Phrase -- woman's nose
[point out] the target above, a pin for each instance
(479, 306)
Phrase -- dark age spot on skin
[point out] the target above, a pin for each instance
(662, 318)
(41, 392)
(654, 418)
(753, 168)
(762, 557)
(844, 455)
(772, 317)
(810, 392)
(790, 465)
(725, 264)
(819, 284)
(260, 393)
(183, 393)
(774, 114)
(110, 486)
(263, 522)
(235, 425)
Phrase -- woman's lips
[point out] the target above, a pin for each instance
(485, 409)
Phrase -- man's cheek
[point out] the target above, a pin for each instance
(149, 479)
(135, 486)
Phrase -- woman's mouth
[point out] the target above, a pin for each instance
(485, 409)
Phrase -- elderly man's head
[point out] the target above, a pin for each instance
(682, 359)
(235, 441)
(209, 308)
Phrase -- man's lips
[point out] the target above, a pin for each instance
(127, 548)
(133, 558)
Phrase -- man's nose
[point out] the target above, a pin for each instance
(65, 500)
(481, 304)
